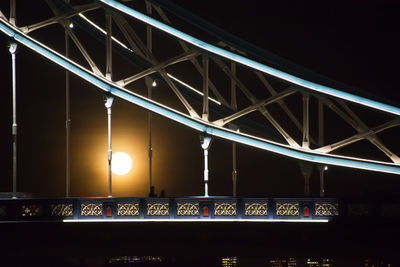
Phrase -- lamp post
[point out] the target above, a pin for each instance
(205, 142)
(13, 49)
(108, 103)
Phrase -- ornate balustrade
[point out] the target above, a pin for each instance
(189, 208)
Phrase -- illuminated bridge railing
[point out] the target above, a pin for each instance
(169, 209)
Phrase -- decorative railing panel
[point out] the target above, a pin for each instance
(187, 209)
(225, 209)
(61, 210)
(326, 209)
(128, 209)
(184, 208)
(30, 210)
(91, 209)
(158, 209)
(256, 209)
(287, 209)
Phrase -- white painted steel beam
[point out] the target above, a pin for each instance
(255, 106)
(251, 63)
(194, 123)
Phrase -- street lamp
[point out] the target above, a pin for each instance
(205, 142)
(108, 101)
(13, 49)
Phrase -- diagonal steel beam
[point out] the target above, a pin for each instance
(129, 35)
(169, 62)
(282, 104)
(194, 61)
(358, 136)
(132, 37)
(251, 63)
(75, 39)
(271, 90)
(57, 18)
(358, 125)
(254, 100)
(254, 107)
(372, 137)
(149, 56)
(82, 49)
(339, 112)
(201, 126)
(171, 84)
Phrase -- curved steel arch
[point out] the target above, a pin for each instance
(251, 63)
(194, 123)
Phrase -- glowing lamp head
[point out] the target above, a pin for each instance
(121, 163)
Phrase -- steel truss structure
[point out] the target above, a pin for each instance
(134, 31)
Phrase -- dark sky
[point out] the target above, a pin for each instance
(354, 43)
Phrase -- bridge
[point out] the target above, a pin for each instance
(247, 97)
(210, 209)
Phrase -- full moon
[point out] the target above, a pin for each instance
(121, 163)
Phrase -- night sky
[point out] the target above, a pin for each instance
(354, 43)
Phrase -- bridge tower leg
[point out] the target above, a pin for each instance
(205, 142)
(13, 49)
(306, 170)
(108, 103)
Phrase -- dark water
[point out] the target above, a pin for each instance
(200, 244)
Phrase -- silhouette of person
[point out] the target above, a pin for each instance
(162, 193)
(152, 194)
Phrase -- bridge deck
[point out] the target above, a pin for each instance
(169, 209)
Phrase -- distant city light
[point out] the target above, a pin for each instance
(325, 168)
(121, 163)
(71, 25)
(154, 84)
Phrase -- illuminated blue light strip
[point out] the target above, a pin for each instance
(199, 125)
(304, 155)
(124, 46)
(251, 63)
(95, 79)
(195, 220)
